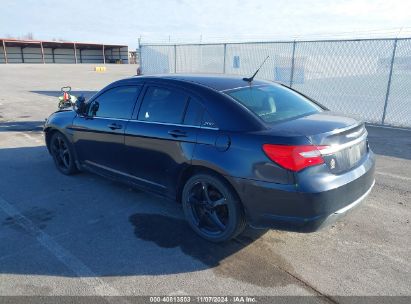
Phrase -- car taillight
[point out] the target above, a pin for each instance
(294, 158)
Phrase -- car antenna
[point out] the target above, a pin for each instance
(250, 79)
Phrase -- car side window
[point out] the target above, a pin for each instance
(194, 113)
(117, 102)
(197, 115)
(163, 105)
(208, 121)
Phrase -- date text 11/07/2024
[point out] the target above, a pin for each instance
(203, 299)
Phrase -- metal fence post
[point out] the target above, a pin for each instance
(225, 54)
(292, 65)
(5, 52)
(140, 58)
(175, 58)
(389, 81)
(42, 52)
(75, 53)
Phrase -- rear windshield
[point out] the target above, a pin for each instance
(274, 102)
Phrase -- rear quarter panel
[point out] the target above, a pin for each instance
(244, 157)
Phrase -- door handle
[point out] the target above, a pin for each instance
(177, 133)
(114, 126)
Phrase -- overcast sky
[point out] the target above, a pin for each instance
(123, 21)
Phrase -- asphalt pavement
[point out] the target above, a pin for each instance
(85, 235)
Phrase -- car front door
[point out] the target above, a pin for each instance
(99, 135)
(159, 140)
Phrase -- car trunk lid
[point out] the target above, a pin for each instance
(345, 138)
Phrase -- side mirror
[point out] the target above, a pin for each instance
(80, 105)
(94, 108)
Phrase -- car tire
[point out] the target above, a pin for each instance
(212, 208)
(63, 154)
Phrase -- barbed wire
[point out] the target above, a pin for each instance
(403, 32)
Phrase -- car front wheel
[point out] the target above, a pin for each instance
(212, 209)
(62, 153)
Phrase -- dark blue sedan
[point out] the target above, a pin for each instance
(233, 152)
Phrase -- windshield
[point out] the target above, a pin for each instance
(273, 103)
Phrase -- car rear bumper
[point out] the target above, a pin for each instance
(343, 211)
(309, 205)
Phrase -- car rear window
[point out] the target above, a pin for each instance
(274, 103)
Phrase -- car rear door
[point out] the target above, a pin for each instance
(161, 137)
(99, 135)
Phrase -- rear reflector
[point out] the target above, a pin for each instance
(294, 158)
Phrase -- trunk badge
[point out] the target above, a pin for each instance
(332, 163)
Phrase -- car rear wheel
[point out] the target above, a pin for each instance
(62, 153)
(212, 208)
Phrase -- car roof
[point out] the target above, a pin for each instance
(216, 82)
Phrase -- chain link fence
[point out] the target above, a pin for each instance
(369, 79)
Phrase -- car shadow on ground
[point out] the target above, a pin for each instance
(112, 229)
(21, 126)
(86, 94)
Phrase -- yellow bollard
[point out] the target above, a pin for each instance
(100, 69)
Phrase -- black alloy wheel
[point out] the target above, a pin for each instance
(62, 153)
(212, 208)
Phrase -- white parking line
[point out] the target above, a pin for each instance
(393, 175)
(85, 274)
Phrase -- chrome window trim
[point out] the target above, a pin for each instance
(154, 122)
(100, 117)
(173, 124)
(336, 148)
